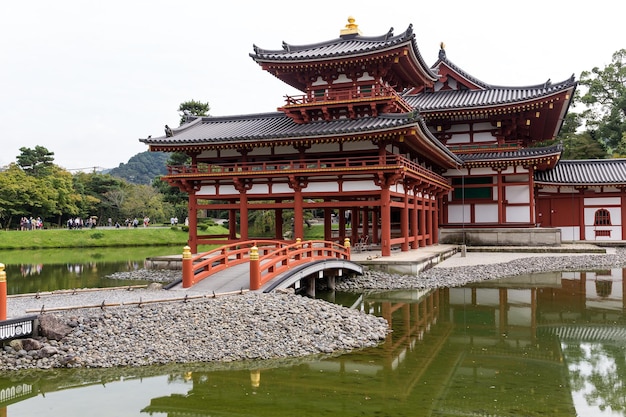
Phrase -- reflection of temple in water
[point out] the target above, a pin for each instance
(490, 349)
(513, 347)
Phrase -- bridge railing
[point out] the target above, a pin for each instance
(202, 265)
(265, 267)
(268, 258)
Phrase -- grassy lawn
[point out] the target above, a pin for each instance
(105, 237)
(96, 238)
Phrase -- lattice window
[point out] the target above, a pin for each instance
(602, 218)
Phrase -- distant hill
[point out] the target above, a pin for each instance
(142, 168)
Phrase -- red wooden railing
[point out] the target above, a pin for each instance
(267, 258)
(319, 165)
(342, 94)
(266, 267)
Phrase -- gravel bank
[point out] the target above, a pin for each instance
(230, 328)
(442, 276)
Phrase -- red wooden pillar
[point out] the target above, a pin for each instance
(342, 224)
(355, 215)
(298, 216)
(232, 224)
(192, 216)
(404, 221)
(429, 220)
(385, 221)
(500, 190)
(436, 211)
(375, 229)
(623, 209)
(243, 215)
(580, 201)
(422, 227)
(414, 220)
(328, 224)
(278, 224)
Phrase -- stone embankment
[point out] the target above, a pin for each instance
(249, 326)
(461, 275)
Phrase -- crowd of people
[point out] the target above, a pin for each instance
(30, 223)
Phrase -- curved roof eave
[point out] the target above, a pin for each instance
(353, 45)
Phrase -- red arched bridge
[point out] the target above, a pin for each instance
(266, 265)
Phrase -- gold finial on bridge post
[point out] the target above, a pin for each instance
(187, 267)
(3, 293)
(255, 269)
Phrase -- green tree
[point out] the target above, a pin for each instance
(188, 108)
(193, 108)
(144, 201)
(35, 161)
(605, 99)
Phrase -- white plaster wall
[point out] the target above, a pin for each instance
(319, 81)
(590, 233)
(319, 187)
(281, 189)
(342, 78)
(365, 77)
(459, 128)
(486, 213)
(206, 190)
(459, 138)
(209, 190)
(459, 214)
(460, 296)
(518, 214)
(516, 194)
(570, 233)
(602, 201)
(483, 126)
(259, 189)
(519, 316)
(483, 137)
(518, 296)
(482, 172)
(358, 186)
(488, 297)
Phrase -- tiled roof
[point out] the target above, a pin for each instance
(525, 153)
(276, 125)
(345, 46)
(490, 96)
(585, 172)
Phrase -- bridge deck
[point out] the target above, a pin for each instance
(237, 278)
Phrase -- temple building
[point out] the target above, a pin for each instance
(392, 151)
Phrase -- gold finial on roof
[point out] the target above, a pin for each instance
(351, 28)
(442, 45)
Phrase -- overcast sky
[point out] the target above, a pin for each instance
(87, 79)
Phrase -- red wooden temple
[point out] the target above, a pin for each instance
(391, 149)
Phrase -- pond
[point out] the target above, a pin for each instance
(549, 344)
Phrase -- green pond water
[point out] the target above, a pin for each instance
(549, 344)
